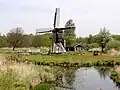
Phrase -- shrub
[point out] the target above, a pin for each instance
(93, 45)
(117, 62)
(113, 44)
(19, 76)
(9, 80)
(43, 87)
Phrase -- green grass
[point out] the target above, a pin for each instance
(85, 60)
(70, 58)
(10, 81)
(44, 86)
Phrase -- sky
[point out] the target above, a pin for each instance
(88, 15)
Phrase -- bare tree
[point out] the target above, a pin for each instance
(15, 36)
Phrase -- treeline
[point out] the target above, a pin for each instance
(16, 38)
(30, 40)
(25, 40)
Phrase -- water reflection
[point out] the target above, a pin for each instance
(103, 71)
(94, 79)
(66, 76)
(86, 78)
(70, 75)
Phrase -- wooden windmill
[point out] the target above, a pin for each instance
(57, 33)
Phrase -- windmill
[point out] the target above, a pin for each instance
(57, 34)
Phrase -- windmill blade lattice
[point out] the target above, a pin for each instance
(57, 18)
(43, 30)
(58, 43)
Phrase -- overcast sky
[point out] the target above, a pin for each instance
(88, 15)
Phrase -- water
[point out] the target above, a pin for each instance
(89, 79)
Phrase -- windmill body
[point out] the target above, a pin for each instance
(57, 33)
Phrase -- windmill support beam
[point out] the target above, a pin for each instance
(58, 48)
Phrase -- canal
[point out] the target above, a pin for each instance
(93, 78)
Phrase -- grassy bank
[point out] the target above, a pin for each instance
(22, 65)
(44, 86)
(67, 60)
(115, 77)
(22, 76)
(74, 60)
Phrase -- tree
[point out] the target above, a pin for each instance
(47, 38)
(81, 40)
(42, 40)
(103, 37)
(27, 40)
(69, 34)
(3, 42)
(113, 44)
(116, 37)
(93, 45)
(90, 39)
(37, 41)
(70, 41)
(15, 37)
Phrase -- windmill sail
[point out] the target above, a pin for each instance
(58, 45)
(57, 18)
(43, 30)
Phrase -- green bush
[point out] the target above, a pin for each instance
(43, 86)
(114, 76)
(93, 45)
(117, 62)
(87, 64)
(113, 44)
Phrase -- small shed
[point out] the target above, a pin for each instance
(70, 49)
(77, 47)
(80, 47)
